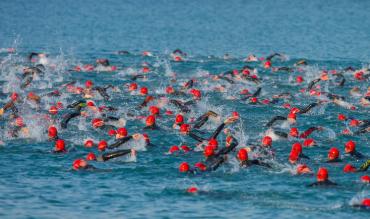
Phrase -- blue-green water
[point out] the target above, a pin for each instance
(37, 184)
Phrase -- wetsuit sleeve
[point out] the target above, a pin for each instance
(306, 133)
(273, 120)
(120, 142)
(68, 117)
(226, 79)
(203, 119)
(216, 163)
(115, 154)
(103, 93)
(260, 163)
(180, 105)
(307, 108)
(312, 83)
(196, 137)
(257, 92)
(226, 150)
(365, 166)
(217, 131)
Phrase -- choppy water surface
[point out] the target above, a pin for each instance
(36, 183)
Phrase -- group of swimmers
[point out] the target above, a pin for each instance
(175, 107)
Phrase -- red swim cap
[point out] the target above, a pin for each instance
(90, 103)
(244, 91)
(293, 156)
(208, 151)
(154, 110)
(185, 148)
(88, 84)
(59, 105)
(132, 87)
(79, 163)
(179, 119)
(297, 147)
(145, 69)
(267, 64)
(253, 100)
(322, 174)
(366, 202)
(59, 145)
(112, 132)
(294, 132)
(52, 132)
(292, 116)
(354, 122)
(97, 122)
(122, 132)
(365, 179)
(53, 110)
(178, 58)
(150, 120)
(174, 149)
(235, 114)
(196, 93)
(243, 154)
(192, 190)
(333, 153)
(213, 143)
(266, 141)
(170, 90)
(102, 145)
(19, 122)
(341, 117)
(14, 96)
(91, 156)
(184, 128)
(309, 142)
(89, 143)
(201, 166)
(184, 167)
(350, 146)
(303, 168)
(299, 79)
(348, 168)
(144, 91)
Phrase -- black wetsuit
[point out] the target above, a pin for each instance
(322, 184)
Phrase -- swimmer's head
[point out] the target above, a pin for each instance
(294, 132)
(348, 168)
(154, 110)
(112, 132)
(150, 120)
(333, 154)
(59, 145)
(144, 91)
(322, 174)
(184, 128)
(97, 122)
(179, 119)
(53, 110)
(350, 146)
(102, 145)
(79, 163)
(132, 87)
(267, 141)
(121, 133)
(208, 151)
(174, 149)
(184, 167)
(170, 90)
(52, 132)
(303, 168)
(89, 143)
(88, 84)
(243, 154)
(200, 166)
(91, 156)
(213, 143)
(14, 96)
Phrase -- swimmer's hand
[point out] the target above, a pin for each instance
(230, 120)
(136, 136)
(1, 111)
